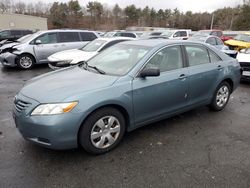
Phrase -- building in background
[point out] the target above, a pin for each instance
(20, 21)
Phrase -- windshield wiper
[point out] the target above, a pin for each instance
(86, 66)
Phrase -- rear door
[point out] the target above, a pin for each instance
(49, 45)
(204, 69)
(154, 97)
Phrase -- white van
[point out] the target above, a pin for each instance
(176, 34)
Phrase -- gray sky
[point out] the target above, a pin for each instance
(183, 5)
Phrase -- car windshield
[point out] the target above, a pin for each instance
(118, 59)
(23, 38)
(29, 37)
(243, 37)
(168, 33)
(93, 45)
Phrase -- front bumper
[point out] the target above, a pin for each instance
(58, 65)
(53, 131)
(8, 59)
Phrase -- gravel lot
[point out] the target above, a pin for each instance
(199, 148)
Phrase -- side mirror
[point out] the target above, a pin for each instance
(175, 35)
(152, 72)
(37, 42)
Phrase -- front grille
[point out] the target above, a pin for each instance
(245, 65)
(20, 105)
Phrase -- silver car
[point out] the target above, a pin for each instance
(36, 48)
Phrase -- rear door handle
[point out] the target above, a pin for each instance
(182, 77)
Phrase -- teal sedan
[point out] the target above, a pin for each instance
(128, 85)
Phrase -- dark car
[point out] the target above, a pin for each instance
(13, 34)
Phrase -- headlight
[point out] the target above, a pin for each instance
(51, 109)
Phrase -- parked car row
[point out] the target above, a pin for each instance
(36, 48)
(49, 46)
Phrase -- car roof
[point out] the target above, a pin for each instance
(202, 37)
(153, 43)
(108, 39)
(66, 30)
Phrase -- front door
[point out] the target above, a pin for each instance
(154, 97)
(49, 45)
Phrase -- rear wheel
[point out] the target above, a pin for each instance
(221, 97)
(25, 61)
(102, 131)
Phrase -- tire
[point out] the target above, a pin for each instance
(97, 136)
(25, 61)
(221, 97)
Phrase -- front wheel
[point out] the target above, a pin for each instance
(25, 61)
(102, 131)
(221, 97)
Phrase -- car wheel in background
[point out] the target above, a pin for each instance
(221, 97)
(102, 131)
(25, 61)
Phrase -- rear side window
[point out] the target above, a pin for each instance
(197, 55)
(213, 57)
(219, 42)
(69, 37)
(48, 38)
(219, 34)
(212, 41)
(87, 36)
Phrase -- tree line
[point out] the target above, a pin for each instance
(98, 16)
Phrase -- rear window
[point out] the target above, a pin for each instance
(69, 37)
(87, 36)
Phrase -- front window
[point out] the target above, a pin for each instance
(243, 37)
(93, 46)
(119, 59)
(168, 59)
(48, 38)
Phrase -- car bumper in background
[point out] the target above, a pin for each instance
(8, 59)
(245, 66)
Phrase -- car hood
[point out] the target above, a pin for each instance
(241, 44)
(74, 55)
(59, 85)
(8, 45)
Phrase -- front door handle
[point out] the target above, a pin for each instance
(219, 67)
(182, 76)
